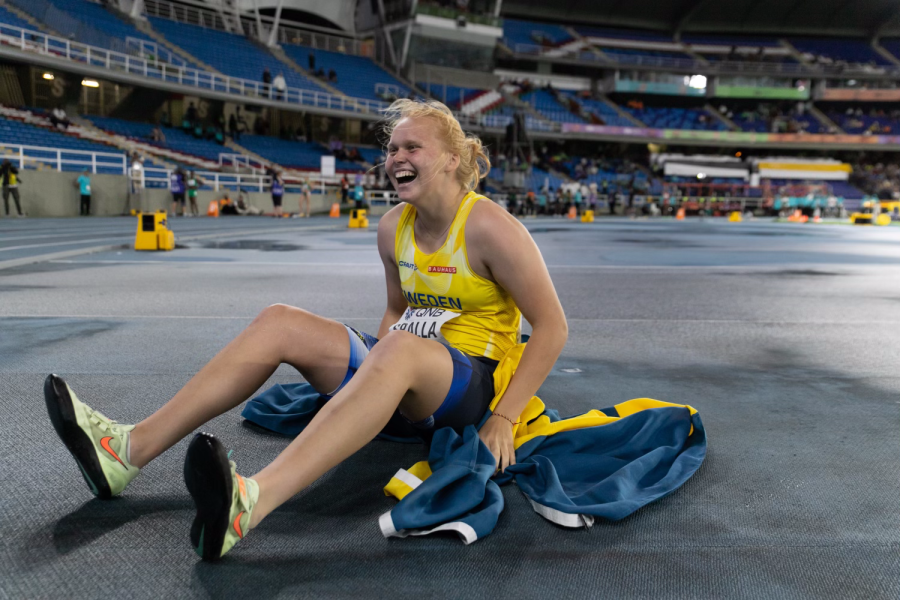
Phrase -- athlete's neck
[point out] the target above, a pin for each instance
(433, 219)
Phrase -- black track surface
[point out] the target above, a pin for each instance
(786, 338)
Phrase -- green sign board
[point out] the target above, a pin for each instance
(774, 93)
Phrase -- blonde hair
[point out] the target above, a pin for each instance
(474, 163)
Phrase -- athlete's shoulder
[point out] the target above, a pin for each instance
(389, 220)
(387, 228)
(488, 221)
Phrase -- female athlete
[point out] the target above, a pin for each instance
(460, 273)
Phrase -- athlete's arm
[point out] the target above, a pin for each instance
(396, 302)
(501, 249)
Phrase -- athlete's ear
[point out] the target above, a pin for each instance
(452, 163)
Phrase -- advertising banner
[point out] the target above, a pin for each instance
(861, 95)
(775, 93)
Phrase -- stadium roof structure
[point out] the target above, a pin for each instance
(852, 18)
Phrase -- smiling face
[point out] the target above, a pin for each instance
(418, 163)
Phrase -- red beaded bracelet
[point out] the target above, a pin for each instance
(496, 414)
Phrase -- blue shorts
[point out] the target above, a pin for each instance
(471, 390)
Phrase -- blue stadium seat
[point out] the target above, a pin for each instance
(357, 76)
(516, 32)
(176, 139)
(299, 155)
(8, 18)
(26, 134)
(231, 54)
(546, 104)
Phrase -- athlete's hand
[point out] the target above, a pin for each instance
(498, 437)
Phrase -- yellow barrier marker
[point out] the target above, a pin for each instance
(358, 219)
(587, 216)
(152, 233)
(735, 217)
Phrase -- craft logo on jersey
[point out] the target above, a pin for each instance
(412, 266)
(442, 269)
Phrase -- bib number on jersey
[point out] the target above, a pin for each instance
(424, 322)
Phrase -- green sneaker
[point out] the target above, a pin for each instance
(224, 499)
(98, 444)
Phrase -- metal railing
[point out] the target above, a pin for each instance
(387, 89)
(37, 41)
(287, 33)
(241, 161)
(58, 158)
(68, 25)
(181, 13)
(155, 177)
(612, 59)
(155, 52)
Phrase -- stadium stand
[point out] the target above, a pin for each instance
(676, 118)
(872, 121)
(545, 103)
(837, 51)
(231, 54)
(357, 76)
(528, 33)
(452, 96)
(17, 132)
(295, 155)
(8, 18)
(176, 139)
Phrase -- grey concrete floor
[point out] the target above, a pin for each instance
(785, 337)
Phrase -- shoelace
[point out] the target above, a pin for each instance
(103, 422)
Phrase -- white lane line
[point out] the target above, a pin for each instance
(200, 317)
(231, 263)
(750, 268)
(87, 241)
(347, 318)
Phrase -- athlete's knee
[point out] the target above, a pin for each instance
(279, 313)
(394, 346)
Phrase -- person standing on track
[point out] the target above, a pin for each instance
(177, 187)
(444, 246)
(277, 189)
(83, 183)
(9, 174)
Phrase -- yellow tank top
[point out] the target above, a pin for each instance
(446, 297)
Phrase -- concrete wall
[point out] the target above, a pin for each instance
(48, 193)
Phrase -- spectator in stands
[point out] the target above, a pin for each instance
(83, 183)
(354, 155)
(267, 83)
(280, 86)
(312, 62)
(10, 179)
(190, 117)
(233, 130)
(320, 73)
(332, 76)
(58, 118)
(157, 135)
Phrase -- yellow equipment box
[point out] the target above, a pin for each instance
(587, 216)
(358, 219)
(152, 233)
(735, 217)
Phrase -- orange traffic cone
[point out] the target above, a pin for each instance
(213, 210)
(335, 211)
(679, 216)
(572, 212)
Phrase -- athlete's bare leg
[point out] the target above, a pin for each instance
(402, 370)
(317, 347)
